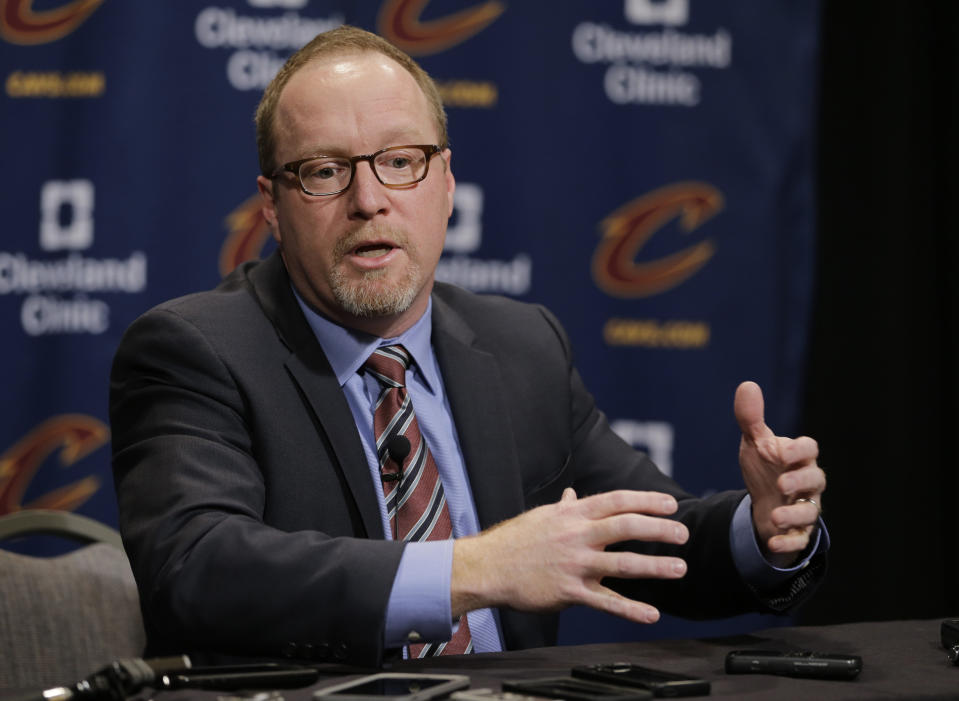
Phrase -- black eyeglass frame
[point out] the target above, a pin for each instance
(429, 150)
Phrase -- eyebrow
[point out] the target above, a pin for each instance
(400, 137)
(316, 153)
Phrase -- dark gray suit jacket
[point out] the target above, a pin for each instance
(246, 504)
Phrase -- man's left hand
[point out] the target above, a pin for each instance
(782, 477)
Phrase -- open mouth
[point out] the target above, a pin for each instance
(373, 250)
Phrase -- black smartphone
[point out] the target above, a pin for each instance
(813, 665)
(570, 689)
(660, 682)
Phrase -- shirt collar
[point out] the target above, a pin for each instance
(347, 349)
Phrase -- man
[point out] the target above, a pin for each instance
(255, 435)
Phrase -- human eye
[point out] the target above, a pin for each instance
(321, 170)
(399, 159)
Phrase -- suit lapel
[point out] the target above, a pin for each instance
(314, 376)
(480, 409)
(478, 400)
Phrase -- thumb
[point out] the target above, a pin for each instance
(748, 406)
(569, 494)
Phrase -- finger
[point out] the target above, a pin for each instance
(749, 407)
(623, 501)
(798, 451)
(609, 601)
(809, 480)
(795, 541)
(799, 515)
(631, 526)
(630, 565)
(569, 494)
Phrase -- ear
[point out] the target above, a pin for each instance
(265, 187)
(447, 155)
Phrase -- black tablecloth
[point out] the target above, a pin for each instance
(901, 659)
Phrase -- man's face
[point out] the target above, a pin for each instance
(364, 257)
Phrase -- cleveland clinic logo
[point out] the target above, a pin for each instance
(257, 44)
(58, 287)
(21, 23)
(653, 60)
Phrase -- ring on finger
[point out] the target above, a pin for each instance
(810, 501)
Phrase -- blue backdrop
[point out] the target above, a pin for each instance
(642, 167)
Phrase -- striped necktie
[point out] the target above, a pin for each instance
(415, 500)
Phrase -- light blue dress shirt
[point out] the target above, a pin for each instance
(420, 599)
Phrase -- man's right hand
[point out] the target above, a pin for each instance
(554, 556)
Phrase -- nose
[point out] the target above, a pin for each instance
(367, 195)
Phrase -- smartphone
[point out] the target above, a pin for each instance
(813, 665)
(245, 676)
(398, 687)
(660, 682)
(571, 689)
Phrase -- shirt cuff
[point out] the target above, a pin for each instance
(419, 605)
(755, 569)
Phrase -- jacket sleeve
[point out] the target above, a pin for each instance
(599, 461)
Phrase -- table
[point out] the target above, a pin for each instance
(901, 659)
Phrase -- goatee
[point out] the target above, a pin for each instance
(374, 294)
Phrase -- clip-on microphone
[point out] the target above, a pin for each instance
(397, 449)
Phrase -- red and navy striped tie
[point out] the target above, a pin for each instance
(415, 503)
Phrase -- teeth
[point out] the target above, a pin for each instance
(372, 252)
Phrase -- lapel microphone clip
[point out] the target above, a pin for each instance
(397, 449)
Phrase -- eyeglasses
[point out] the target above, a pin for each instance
(395, 166)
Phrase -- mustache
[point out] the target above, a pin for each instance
(370, 234)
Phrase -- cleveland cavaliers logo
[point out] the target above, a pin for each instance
(617, 266)
(21, 24)
(400, 23)
(249, 232)
(75, 436)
